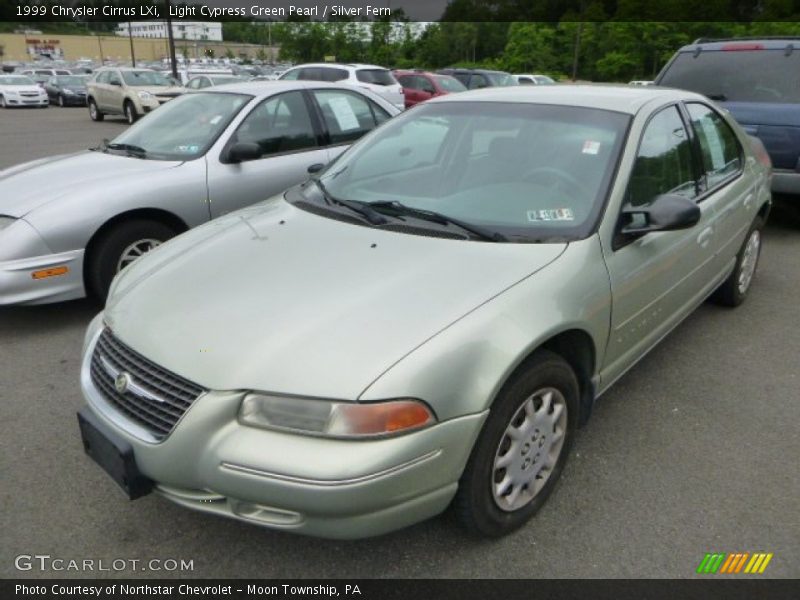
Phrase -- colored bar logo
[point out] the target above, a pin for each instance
(714, 563)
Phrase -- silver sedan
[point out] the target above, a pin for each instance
(430, 320)
(69, 223)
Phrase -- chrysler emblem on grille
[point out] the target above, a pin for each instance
(122, 382)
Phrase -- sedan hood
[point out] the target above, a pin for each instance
(20, 88)
(30, 185)
(277, 299)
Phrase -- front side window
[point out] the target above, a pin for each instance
(718, 144)
(478, 81)
(331, 74)
(184, 128)
(103, 77)
(530, 172)
(347, 116)
(664, 161)
(278, 125)
(145, 78)
(376, 76)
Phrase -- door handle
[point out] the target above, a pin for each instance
(705, 236)
(748, 201)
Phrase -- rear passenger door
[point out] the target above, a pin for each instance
(657, 278)
(290, 142)
(345, 116)
(721, 183)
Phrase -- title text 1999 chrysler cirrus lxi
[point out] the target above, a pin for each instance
(428, 321)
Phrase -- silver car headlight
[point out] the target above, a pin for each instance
(5, 222)
(335, 419)
(144, 95)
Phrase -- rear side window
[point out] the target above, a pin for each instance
(722, 155)
(347, 116)
(664, 161)
(478, 81)
(375, 76)
(740, 76)
(331, 74)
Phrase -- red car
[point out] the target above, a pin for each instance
(419, 86)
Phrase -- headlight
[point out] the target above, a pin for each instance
(335, 419)
(69, 92)
(5, 222)
(144, 95)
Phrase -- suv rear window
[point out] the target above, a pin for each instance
(740, 76)
(375, 76)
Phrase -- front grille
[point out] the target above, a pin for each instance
(155, 398)
(29, 94)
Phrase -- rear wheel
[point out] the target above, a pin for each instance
(94, 112)
(130, 112)
(522, 448)
(119, 247)
(734, 289)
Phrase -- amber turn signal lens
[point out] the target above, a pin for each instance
(52, 272)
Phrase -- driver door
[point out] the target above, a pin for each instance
(282, 127)
(659, 277)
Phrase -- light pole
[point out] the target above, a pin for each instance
(171, 41)
(130, 38)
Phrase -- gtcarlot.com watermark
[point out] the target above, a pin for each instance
(46, 562)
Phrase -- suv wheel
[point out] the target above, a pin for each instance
(95, 112)
(522, 448)
(130, 112)
(118, 248)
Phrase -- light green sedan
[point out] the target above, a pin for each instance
(428, 321)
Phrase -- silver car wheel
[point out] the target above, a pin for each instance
(93, 110)
(136, 250)
(529, 449)
(2, 102)
(749, 261)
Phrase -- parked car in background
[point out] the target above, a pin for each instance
(370, 77)
(67, 90)
(480, 78)
(534, 79)
(419, 86)
(48, 72)
(199, 82)
(423, 325)
(21, 90)
(69, 223)
(129, 92)
(755, 79)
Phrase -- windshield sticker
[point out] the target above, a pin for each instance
(216, 119)
(191, 149)
(551, 214)
(591, 147)
(345, 117)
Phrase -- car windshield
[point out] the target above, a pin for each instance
(449, 84)
(531, 172)
(375, 76)
(148, 78)
(71, 80)
(740, 76)
(500, 79)
(221, 79)
(17, 80)
(184, 128)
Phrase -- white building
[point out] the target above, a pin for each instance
(181, 30)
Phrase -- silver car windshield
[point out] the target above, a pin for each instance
(18, 80)
(146, 78)
(184, 128)
(531, 172)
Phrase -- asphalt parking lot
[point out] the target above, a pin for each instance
(695, 450)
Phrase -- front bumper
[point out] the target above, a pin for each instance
(785, 181)
(27, 101)
(18, 285)
(316, 486)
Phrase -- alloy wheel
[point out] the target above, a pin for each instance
(749, 261)
(136, 250)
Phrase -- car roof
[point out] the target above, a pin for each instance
(125, 69)
(267, 88)
(764, 43)
(340, 65)
(618, 98)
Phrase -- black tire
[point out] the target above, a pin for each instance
(130, 112)
(61, 102)
(95, 113)
(475, 503)
(731, 293)
(103, 262)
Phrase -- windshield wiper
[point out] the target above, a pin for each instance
(398, 208)
(362, 208)
(129, 149)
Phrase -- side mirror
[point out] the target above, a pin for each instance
(668, 212)
(315, 168)
(243, 151)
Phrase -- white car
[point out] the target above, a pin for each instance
(20, 90)
(371, 77)
(525, 79)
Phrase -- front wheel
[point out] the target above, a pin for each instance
(130, 112)
(119, 247)
(94, 112)
(734, 289)
(3, 102)
(522, 448)
(61, 102)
